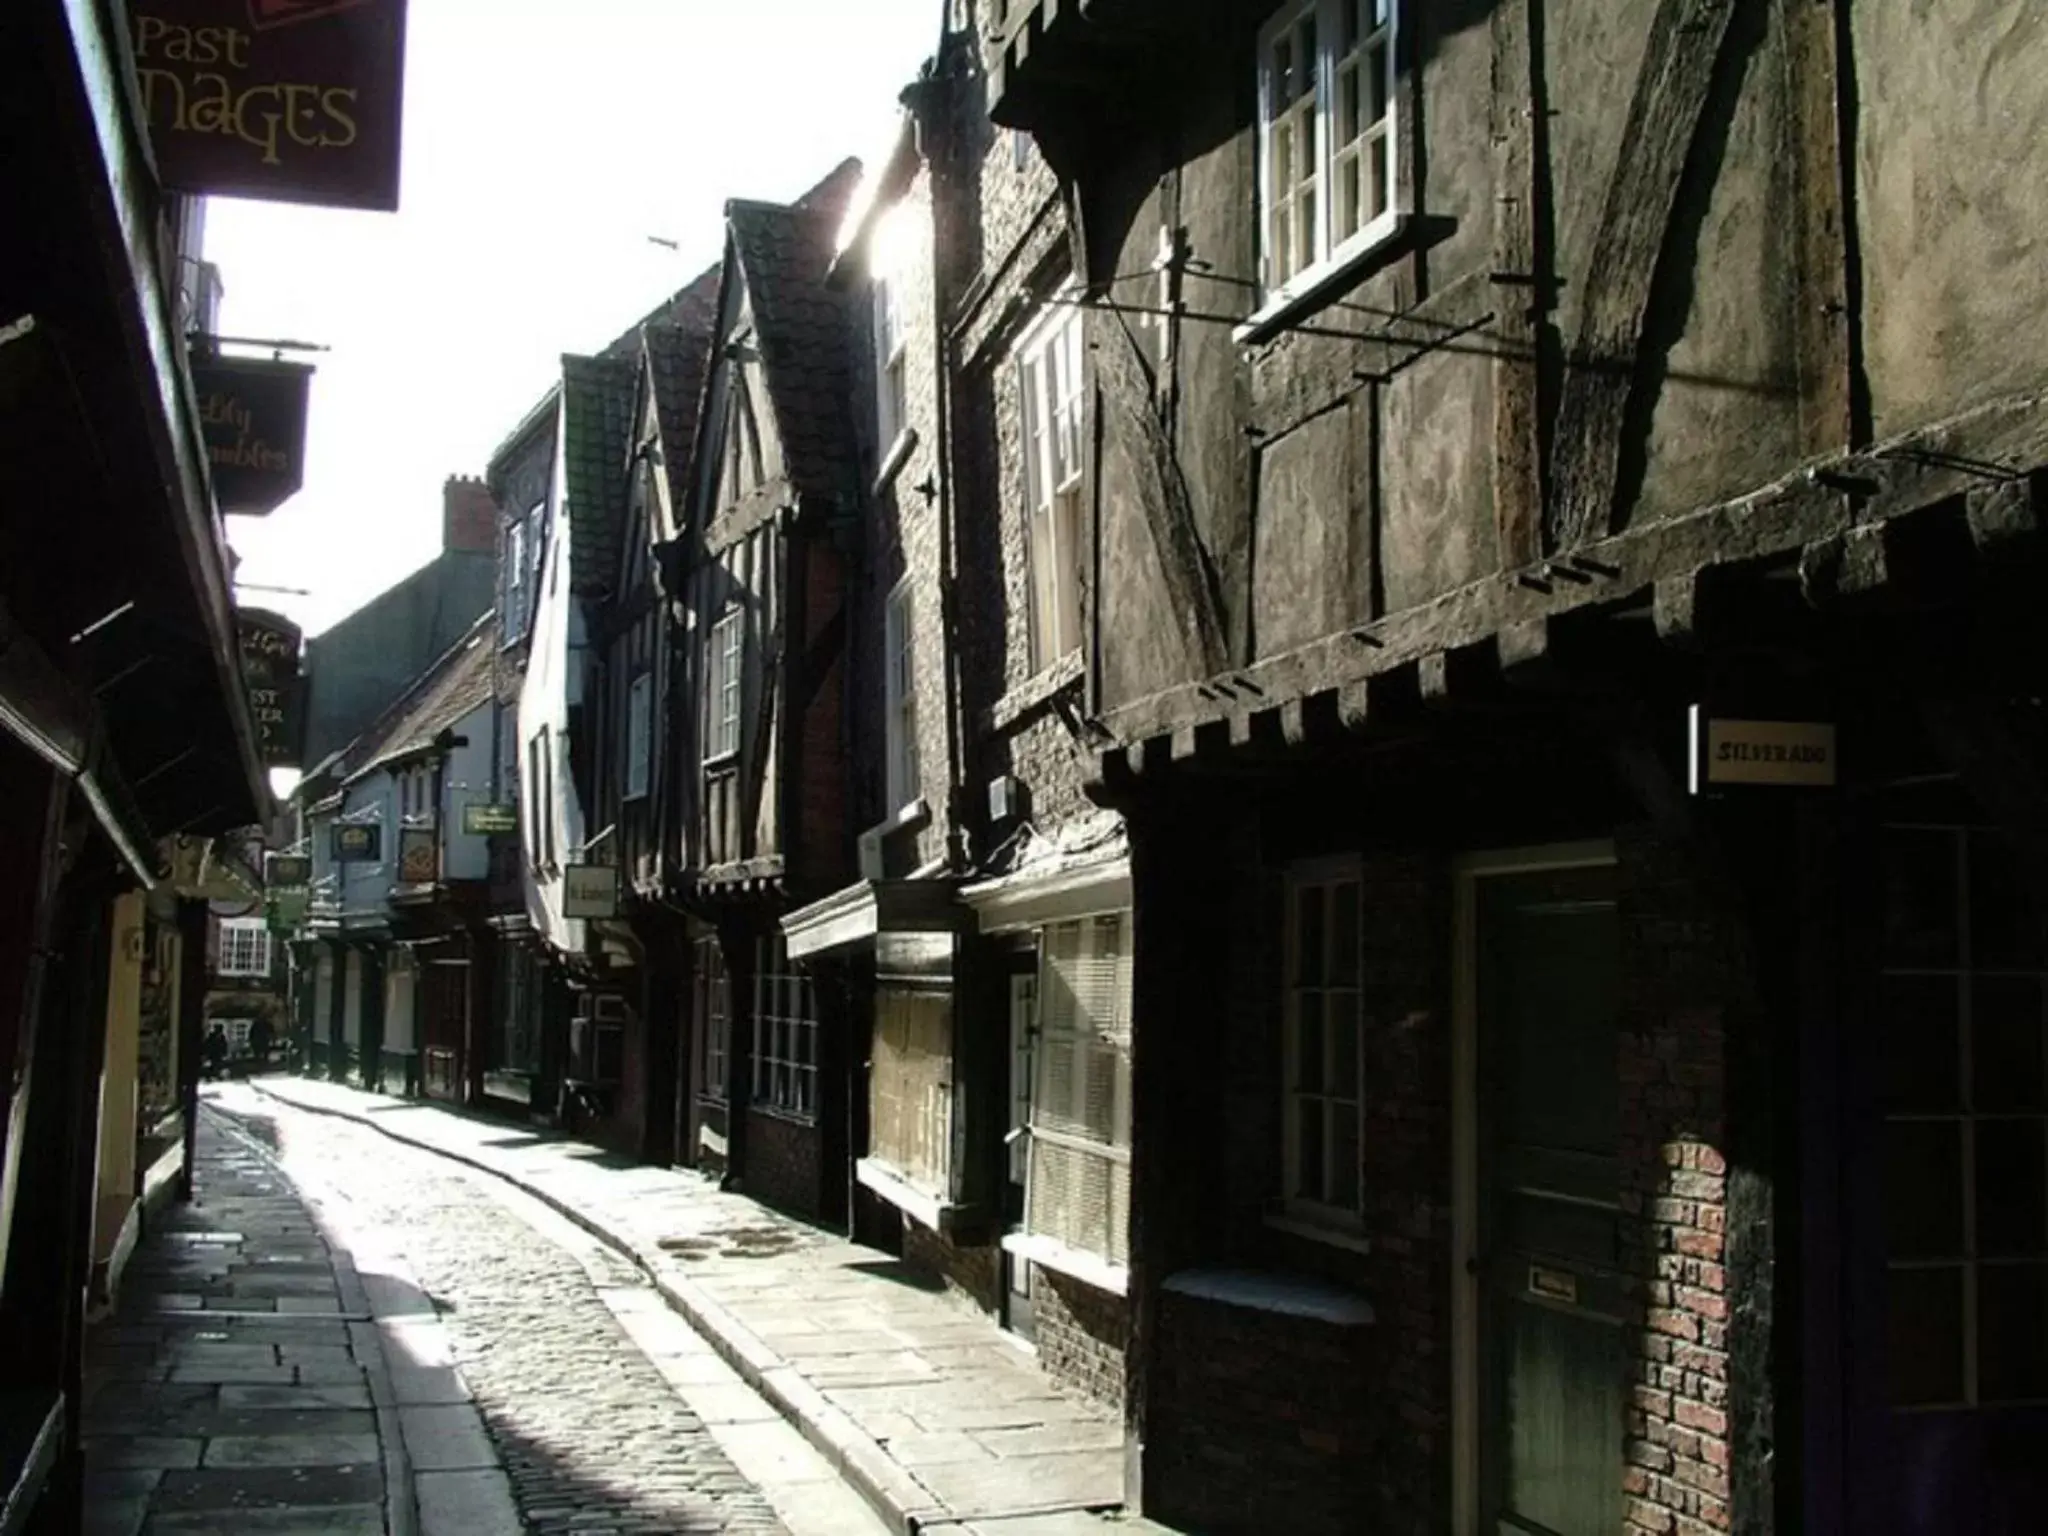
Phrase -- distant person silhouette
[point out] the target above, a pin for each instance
(215, 1050)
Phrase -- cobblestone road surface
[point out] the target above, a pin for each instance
(594, 1438)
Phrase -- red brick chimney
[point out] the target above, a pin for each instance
(469, 518)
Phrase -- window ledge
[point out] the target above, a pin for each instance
(1318, 1232)
(1088, 1268)
(928, 1210)
(1280, 1294)
(786, 1116)
(1035, 691)
(916, 814)
(893, 461)
(1310, 290)
(722, 762)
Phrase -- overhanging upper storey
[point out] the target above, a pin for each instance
(1051, 60)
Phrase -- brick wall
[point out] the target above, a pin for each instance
(469, 516)
(1679, 968)
(782, 1164)
(1082, 1334)
(1208, 1460)
(972, 1272)
(1266, 1422)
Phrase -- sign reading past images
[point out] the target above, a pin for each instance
(270, 673)
(1795, 753)
(590, 890)
(293, 101)
(287, 871)
(253, 414)
(357, 842)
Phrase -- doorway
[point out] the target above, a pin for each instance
(1018, 1315)
(1540, 1364)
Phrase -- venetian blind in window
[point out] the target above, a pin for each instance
(1080, 1175)
(911, 1086)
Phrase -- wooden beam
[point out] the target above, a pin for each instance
(1164, 495)
(1670, 98)
(1776, 521)
(1518, 490)
(2003, 514)
(1814, 154)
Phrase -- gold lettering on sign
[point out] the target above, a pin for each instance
(307, 115)
(246, 452)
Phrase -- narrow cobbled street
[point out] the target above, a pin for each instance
(599, 1411)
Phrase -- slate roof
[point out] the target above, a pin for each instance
(784, 254)
(461, 682)
(677, 354)
(597, 429)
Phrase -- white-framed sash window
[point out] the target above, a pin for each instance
(728, 679)
(1050, 380)
(901, 720)
(1323, 1050)
(1326, 138)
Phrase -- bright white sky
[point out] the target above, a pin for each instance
(545, 140)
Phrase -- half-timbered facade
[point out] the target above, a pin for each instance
(772, 516)
(1560, 482)
(631, 1039)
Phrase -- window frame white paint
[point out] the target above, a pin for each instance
(1317, 1211)
(892, 344)
(899, 663)
(1319, 111)
(785, 1042)
(639, 775)
(725, 693)
(1052, 399)
(248, 962)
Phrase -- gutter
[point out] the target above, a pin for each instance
(46, 713)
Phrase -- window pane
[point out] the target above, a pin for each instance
(1354, 23)
(1305, 225)
(1309, 1149)
(1378, 78)
(2005, 928)
(1305, 57)
(1308, 932)
(2005, 1036)
(1308, 1041)
(1922, 1047)
(1923, 1189)
(1920, 898)
(1344, 934)
(1283, 157)
(1924, 1335)
(1343, 1028)
(1350, 106)
(1344, 1156)
(2012, 1189)
(1382, 179)
(2012, 1332)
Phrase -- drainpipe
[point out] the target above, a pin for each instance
(949, 607)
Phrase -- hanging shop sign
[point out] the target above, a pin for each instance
(270, 673)
(590, 891)
(357, 842)
(481, 819)
(419, 856)
(252, 411)
(287, 871)
(293, 101)
(286, 910)
(1795, 753)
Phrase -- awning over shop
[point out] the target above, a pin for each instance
(854, 916)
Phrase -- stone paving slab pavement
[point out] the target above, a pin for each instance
(918, 1401)
(209, 1409)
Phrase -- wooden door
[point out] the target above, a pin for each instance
(1553, 1375)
